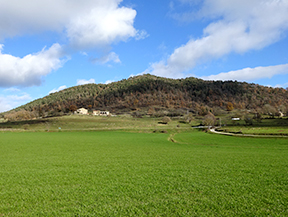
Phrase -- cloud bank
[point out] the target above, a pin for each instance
(11, 101)
(111, 57)
(58, 89)
(250, 74)
(28, 71)
(102, 25)
(86, 25)
(83, 81)
(241, 26)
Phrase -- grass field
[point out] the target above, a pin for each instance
(139, 174)
(92, 123)
(273, 130)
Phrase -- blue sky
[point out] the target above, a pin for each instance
(46, 46)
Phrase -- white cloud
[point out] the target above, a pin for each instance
(83, 81)
(11, 101)
(250, 74)
(103, 24)
(28, 71)
(164, 70)
(58, 89)
(278, 85)
(12, 89)
(108, 81)
(83, 53)
(285, 85)
(142, 34)
(32, 16)
(241, 25)
(108, 58)
(87, 23)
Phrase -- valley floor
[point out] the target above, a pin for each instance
(116, 173)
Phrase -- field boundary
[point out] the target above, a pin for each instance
(212, 130)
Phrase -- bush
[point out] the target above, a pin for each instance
(20, 115)
(165, 120)
(137, 114)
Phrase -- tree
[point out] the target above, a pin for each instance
(248, 120)
(20, 115)
(73, 108)
(189, 118)
(269, 110)
(282, 108)
(257, 117)
(209, 119)
(151, 111)
(229, 106)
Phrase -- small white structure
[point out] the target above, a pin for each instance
(96, 112)
(82, 111)
(101, 113)
(235, 119)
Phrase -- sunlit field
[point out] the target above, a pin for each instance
(141, 174)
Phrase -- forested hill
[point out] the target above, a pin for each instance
(151, 91)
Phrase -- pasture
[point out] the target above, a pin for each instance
(92, 123)
(115, 173)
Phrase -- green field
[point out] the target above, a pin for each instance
(92, 123)
(117, 173)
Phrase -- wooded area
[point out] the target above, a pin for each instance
(151, 92)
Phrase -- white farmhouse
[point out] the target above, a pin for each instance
(82, 111)
(96, 112)
(235, 119)
(104, 113)
(101, 113)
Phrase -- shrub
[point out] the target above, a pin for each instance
(20, 115)
(136, 114)
(166, 120)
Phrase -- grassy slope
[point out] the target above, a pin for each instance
(82, 123)
(127, 123)
(275, 126)
(137, 174)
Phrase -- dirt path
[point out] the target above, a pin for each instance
(171, 138)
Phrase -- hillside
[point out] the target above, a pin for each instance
(147, 91)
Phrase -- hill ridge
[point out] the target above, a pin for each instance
(146, 91)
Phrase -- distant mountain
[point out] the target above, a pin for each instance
(148, 91)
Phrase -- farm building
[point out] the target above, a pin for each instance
(235, 119)
(82, 111)
(101, 113)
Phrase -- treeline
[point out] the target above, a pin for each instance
(148, 91)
